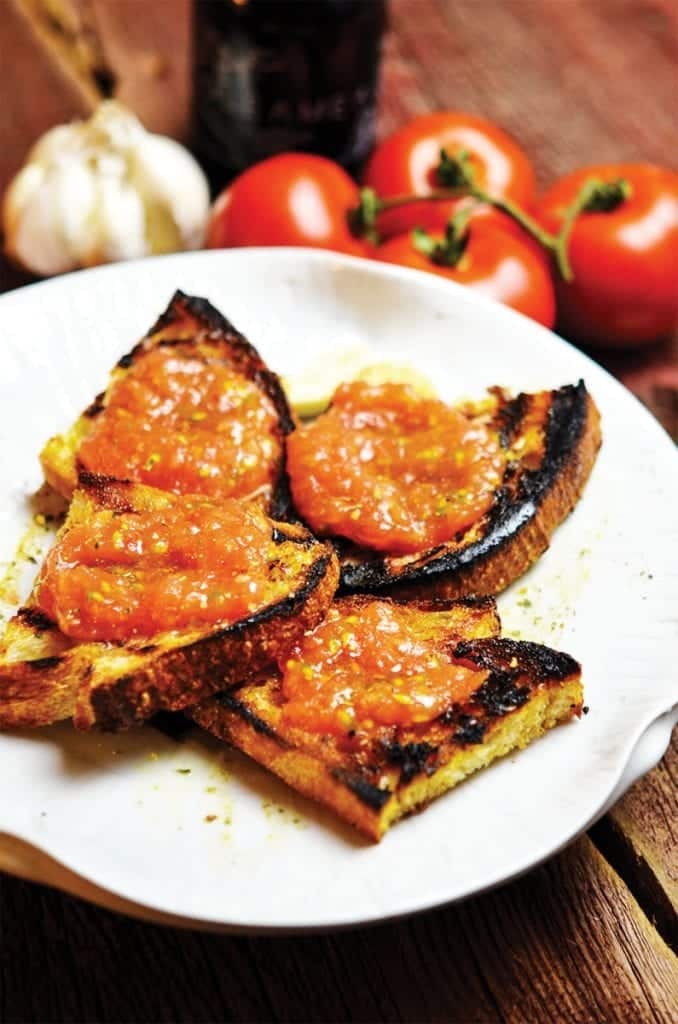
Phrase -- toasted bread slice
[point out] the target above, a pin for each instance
(192, 328)
(551, 440)
(45, 676)
(527, 689)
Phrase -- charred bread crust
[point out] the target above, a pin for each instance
(187, 321)
(528, 690)
(188, 315)
(45, 677)
(174, 680)
(532, 502)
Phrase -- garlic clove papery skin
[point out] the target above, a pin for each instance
(101, 191)
(119, 229)
(55, 205)
(163, 169)
(58, 143)
(113, 127)
(72, 193)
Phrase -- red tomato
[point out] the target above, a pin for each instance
(625, 260)
(405, 163)
(494, 262)
(290, 199)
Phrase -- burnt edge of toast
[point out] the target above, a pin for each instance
(507, 661)
(246, 360)
(109, 492)
(309, 580)
(105, 701)
(286, 607)
(513, 657)
(35, 619)
(369, 794)
(46, 664)
(228, 699)
(231, 703)
(565, 424)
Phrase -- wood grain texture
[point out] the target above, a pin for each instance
(22, 118)
(574, 81)
(652, 375)
(566, 944)
(640, 838)
(148, 46)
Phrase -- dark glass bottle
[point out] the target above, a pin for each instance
(278, 75)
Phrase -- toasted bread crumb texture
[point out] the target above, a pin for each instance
(349, 791)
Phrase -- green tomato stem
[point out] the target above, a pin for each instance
(594, 196)
(507, 206)
(450, 250)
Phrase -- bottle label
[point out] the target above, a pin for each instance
(263, 88)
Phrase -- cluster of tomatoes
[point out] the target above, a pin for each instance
(454, 195)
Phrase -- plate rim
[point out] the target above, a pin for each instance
(69, 880)
(470, 298)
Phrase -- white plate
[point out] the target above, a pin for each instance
(112, 818)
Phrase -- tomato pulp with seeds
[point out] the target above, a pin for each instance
(391, 470)
(131, 575)
(361, 671)
(187, 424)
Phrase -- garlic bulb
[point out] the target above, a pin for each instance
(103, 190)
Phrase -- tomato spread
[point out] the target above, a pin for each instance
(130, 575)
(392, 470)
(360, 671)
(184, 423)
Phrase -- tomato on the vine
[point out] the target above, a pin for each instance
(491, 261)
(623, 252)
(408, 160)
(290, 199)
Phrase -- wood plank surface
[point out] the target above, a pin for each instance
(583, 939)
(566, 944)
(574, 81)
(22, 119)
(143, 49)
(640, 838)
(147, 45)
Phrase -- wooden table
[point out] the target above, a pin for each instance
(586, 937)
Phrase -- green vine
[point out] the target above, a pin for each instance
(456, 176)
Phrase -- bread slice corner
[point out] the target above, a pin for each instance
(194, 326)
(551, 439)
(46, 677)
(528, 690)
